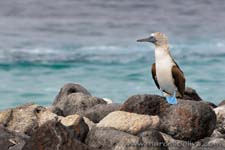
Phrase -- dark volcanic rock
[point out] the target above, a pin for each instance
(90, 123)
(69, 88)
(77, 103)
(174, 144)
(153, 140)
(54, 136)
(11, 140)
(154, 104)
(145, 104)
(77, 125)
(56, 110)
(188, 120)
(210, 104)
(98, 112)
(73, 98)
(191, 94)
(111, 139)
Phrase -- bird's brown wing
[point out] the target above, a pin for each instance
(154, 75)
(177, 66)
(179, 79)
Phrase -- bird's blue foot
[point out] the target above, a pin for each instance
(171, 99)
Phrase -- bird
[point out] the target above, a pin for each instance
(166, 73)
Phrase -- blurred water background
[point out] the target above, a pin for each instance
(47, 43)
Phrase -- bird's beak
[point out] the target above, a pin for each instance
(149, 39)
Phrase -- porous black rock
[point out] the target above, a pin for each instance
(112, 139)
(191, 94)
(10, 140)
(69, 88)
(74, 98)
(188, 120)
(145, 104)
(54, 136)
(55, 110)
(77, 125)
(78, 103)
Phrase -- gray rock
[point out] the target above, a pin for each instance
(152, 140)
(68, 89)
(77, 125)
(55, 110)
(10, 140)
(5, 116)
(121, 146)
(77, 103)
(209, 144)
(89, 123)
(43, 115)
(20, 119)
(174, 144)
(148, 140)
(188, 120)
(217, 134)
(98, 112)
(26, 119)
(191, 94)
(54, 136)
(111, 139)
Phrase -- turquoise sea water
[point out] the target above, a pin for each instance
(45, 44)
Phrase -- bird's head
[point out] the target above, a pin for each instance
(157, 38)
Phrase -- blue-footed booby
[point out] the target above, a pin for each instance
(167, 75)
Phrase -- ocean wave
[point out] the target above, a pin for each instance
(106, 54)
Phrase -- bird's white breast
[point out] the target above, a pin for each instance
(164, 64)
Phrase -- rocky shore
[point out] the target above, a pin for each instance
(79, 121)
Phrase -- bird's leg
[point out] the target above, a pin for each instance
(162, 92)
(174, 93)
(172, 99)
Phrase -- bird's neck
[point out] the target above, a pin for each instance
(162, 53)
